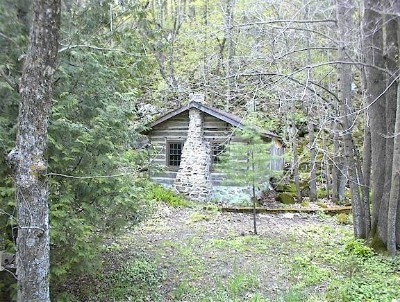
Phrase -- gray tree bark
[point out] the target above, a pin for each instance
(310, 123)
(391, 54)
(393, 215)
(366, 171)
(345, 24)
(393, 137)
(373, 43)
(335, 164)
(28, 159)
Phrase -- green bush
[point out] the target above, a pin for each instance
(160, 193)
(358, 248)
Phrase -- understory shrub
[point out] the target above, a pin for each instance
(160, 193)
(138, 281)
(349, 270)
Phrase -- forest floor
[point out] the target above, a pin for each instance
(201, 254)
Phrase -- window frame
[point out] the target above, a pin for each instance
(168, 154)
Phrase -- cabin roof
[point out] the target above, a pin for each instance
(229, 118)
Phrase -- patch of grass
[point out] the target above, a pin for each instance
(196, 217)
(322, 204)
(160, 193)
(305, 203)
(138, 280)
(240, 284)
(292, 295)
(343, 218)
(347, 270)
(237, 288)
(212, 208)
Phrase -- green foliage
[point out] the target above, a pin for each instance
(160, 193)
(343, 218)
(93, 136)
(248, 158)
(13, 41)
(195, 217)
(138, 280)
(305, 203)
(358, 247)
(350, 272)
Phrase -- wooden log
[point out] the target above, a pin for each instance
(330, 211)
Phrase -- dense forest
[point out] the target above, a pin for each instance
(80, 80)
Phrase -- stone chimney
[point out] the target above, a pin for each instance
(193, 178)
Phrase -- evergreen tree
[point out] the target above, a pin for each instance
(246, 162)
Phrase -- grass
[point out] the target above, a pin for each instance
(159, 193)
(198, 262)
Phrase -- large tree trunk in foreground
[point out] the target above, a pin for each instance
(375, 84)
(391, 54)
(392, 184)
(28, 158)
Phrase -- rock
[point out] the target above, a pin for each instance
(285, 198)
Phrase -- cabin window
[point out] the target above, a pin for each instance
(174, 153)
(217, 150)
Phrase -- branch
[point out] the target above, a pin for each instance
(13, 85)
(7, 38)
(308, 30)
(289, 77)
(97, 176)
(98, 48)
(304, 49)
(286, 21)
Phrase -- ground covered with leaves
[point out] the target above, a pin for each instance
(200, 254)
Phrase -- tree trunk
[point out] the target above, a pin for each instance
(295, 158)
(393, 218)
(326, 166)
(27, 158)
(343, 180)
(393, 138)
(373, 42)
(345, 25)
(228, 26)
(391, 53)
(366, 171)
(335, 164)
(310, 123)
(313, 156)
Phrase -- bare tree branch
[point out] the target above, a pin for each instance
(286, 21)
(13, 85)
(65, 48)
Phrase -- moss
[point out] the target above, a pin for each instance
(322, 205)
(377, 243)
(285, 198)
(305, 203)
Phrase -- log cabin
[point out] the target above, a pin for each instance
(187, 143)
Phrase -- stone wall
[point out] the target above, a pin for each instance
(193, 178)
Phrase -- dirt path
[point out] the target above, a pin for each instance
(204, 252)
